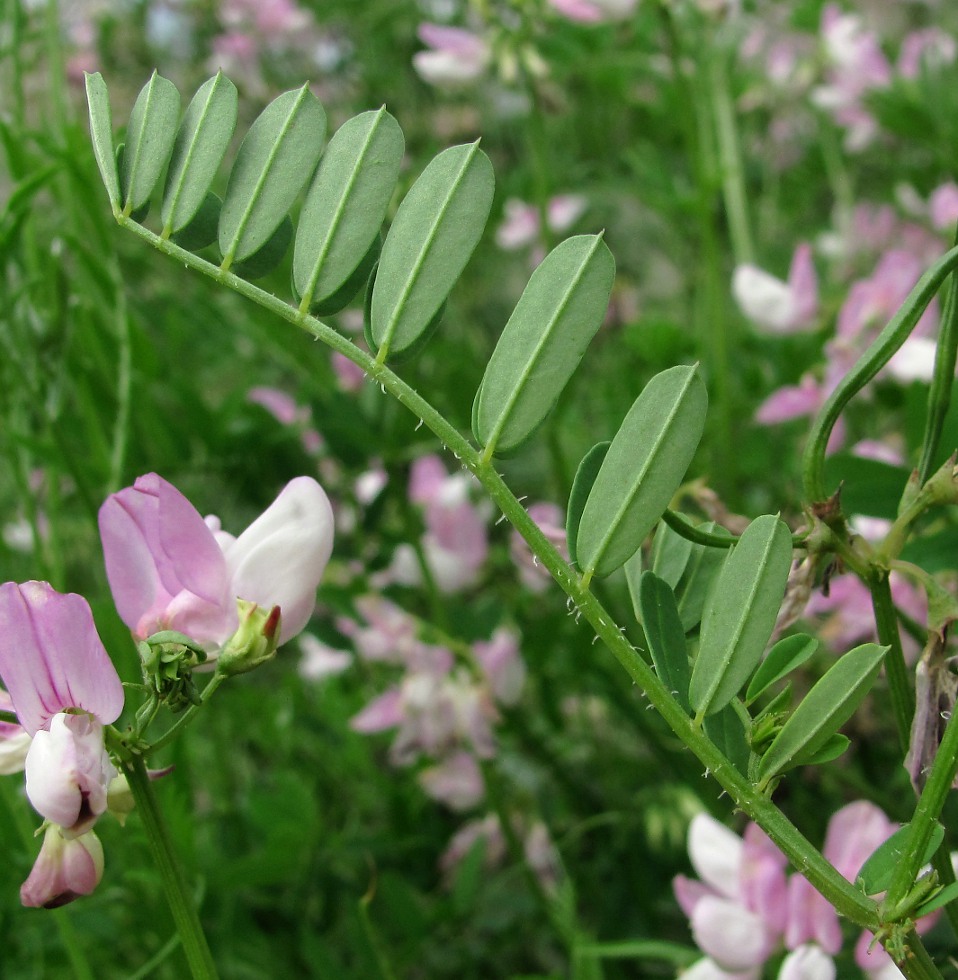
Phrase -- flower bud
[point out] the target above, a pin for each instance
(64, 870)
(254, 643)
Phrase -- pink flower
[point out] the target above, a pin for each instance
(64, 689)
(456, 781)
(455, 543)
(737, 910)
(14, 740)
(51, 658)
(593, 11)
(856, 65)
(774, 305)
(502, 665)
(930, 48)
(169, 570)
(456, 57)
(551, 522)
(943, 206)
(66, 868)
(520, 225)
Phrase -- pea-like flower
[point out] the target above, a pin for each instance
(63, 689)
(170, 569)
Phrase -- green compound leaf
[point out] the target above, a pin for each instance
(829, 704)
(644, 467)
(101, 132)
(437, 226)
(547, 335)
(345, 205)
(581, 488)
(878, 870)
(836, 746)
(149, 141)
(201, 143)
(727, 732)
(782, 659)
(276, 158)
(700, 573)
(665, 636)
(740, 614)
(670, 554)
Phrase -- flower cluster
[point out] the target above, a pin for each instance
(744, 908)
(168, 570)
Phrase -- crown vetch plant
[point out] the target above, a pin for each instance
(708, 622)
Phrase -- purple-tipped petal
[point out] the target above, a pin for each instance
(51, 657)
(163, 563)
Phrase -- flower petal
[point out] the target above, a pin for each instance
(51, 657)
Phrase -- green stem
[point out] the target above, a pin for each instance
(730, 160)
(880, 352)
(899, 687)
(847, 899)
(177, 891)
(188, 715)
(943, 379)
(930, 804)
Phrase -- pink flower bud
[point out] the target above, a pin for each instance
(65, 869)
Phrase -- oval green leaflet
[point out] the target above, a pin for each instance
(782, 659)
(740, 614)
(346, 204)
(585, 476)
(826, 707)
(101, 132)
(436, 229)
(670, 554)
(201, 143)
(542, 344)
(149, 141)
(698, 578)
(643, 468)
(276, 158)
(665, 636)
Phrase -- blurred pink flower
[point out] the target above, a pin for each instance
(737, 909)
(14, 740)
(350, 376)
(551, 521)
(848, 615)
(856, 65)
(594, 11)
(456, 781)
(502, 665)
(168, 569)
(286, 411)
(943, 206)
(321, 660)
(455, 543)
(539, 850)
(929, 48)
(777, 306)
(456, 56)
(520, 225)
(389, 634)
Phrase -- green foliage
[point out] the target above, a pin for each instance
(149, 141)
(436, 229)
(642, 470)
(740, 613)
(542, 344)
(201, 143)
(274, 162)
(829, 704)
(345, 207)
(665, 636)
